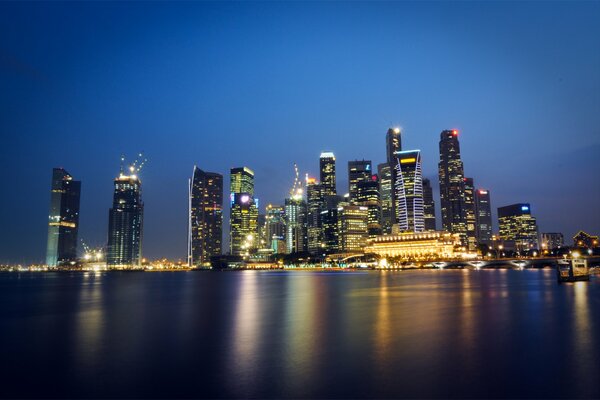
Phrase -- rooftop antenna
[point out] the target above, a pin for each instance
(122, 164)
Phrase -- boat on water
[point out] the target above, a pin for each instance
(572, 270)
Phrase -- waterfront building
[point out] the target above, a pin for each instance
(428, 206)
(243, 224)
(327, 171)
(367, 195)
(205, 223)
(470, 214)
(296, 229)
(125, 223)
(315, 204)
(452, 189)
(358, 171)
(274, 225)
(552, 240)
(516, 224)
(584, 239)
(422, 246)
(63, 218)
(384, 173)
(352, 228)
(483, 216)
(242, 180)
(408, 191)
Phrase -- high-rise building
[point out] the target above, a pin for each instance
(452, 186)
(428, 205)
(483, 216)
(242, 180)
(552, 240)
(367, 195)
(63, 219)
(518, 226)
(327, 169)
(408, 191)
(205, 225)
(352, 228)
(274, 226)
(125, 223)
(243, 224)
(384, 174)
(358, 171)
(315, 204)
(296, 229)
(393, 144)
(470, 215)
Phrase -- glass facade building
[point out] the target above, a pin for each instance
(327, 173)
(241, 180)
(63, 218)
(483, 213)
(358, 171)
(428, 206)
(518, 226)
(274, 226)
(408, 191)
(368, 196)
(470, 214)
(352, 228)
(243, 224)
(384, 173)
(296, 228)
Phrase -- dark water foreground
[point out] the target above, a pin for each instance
(488, 333)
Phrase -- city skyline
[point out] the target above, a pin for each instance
(535, 143)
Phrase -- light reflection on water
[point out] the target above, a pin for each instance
(487, 333)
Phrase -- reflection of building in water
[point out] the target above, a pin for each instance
(417, 246)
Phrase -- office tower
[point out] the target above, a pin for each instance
(296, 229)
(327, 169)
(452, 186)
(315, 204)
(483, 216)
(393, 144)
(384, 172)
(243, 224)
(552, 240)
(408, 191)
(470, 216)
(367, 195)
(352, 228)
(63, 219)
(262, 231)
(518, 226)
(205, 229)
(358, 171)
(329, 224)
(274, 226)
(125, 222)
(428, 205)
(242, 180)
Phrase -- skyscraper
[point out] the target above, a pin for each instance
(352, 228)
(367, 195)
(205, 229)
(315, 204)
(452, 187)
(243, 215)
(518, 227)
(274, 226)
(470, 216)
(408, 191)
(63, 219)
(428, 206)
(384, 174)
(483, 214)
(296, 229)
(242, 180)
(393, 144)
(358, 171)
(327, 170)
(125, 223)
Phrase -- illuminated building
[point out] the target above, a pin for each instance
(125, 223)
(315, 204)
(329, 224)
(393, 144)
(327, 170)
(470, 215)
(367, 195)
(452, 187)
(242, 180)
(358, 171)
(433, 245)
(552, 240)
(205, 225)
(296, 233)
(518, 226)
(408, 191)
(274, 225)
(428, 206)
(583, 239)
(385, 197)
(243, 224)
(63, 219)
(483, 216)
(352, 228)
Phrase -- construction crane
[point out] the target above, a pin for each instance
(137, 165)
(296, 191)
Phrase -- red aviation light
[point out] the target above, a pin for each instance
(455, 133)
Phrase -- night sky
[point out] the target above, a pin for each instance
(269, 84)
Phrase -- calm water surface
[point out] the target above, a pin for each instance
(488, 333)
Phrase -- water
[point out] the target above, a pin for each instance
(488, 333)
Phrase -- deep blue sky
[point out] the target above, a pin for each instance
(269, 84)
